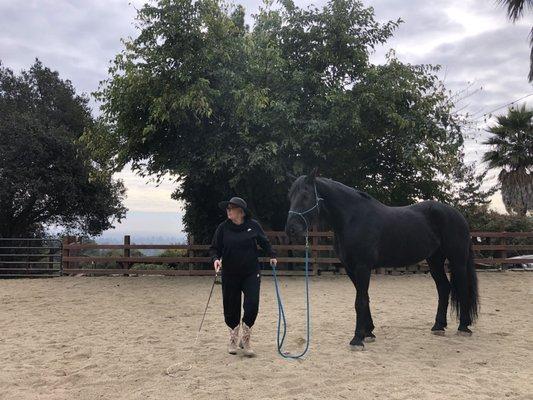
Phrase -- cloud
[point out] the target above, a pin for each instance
(420, 17)
(145, 224)
(77, 38)
(145, 195)
(473, 42)
(496, 61)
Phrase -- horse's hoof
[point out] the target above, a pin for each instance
(467, 332)
(357, 347)
(439, 332)
(370, 338)
(356, 344)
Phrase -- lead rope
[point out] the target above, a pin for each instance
(281, 311)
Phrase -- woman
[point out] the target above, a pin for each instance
(234, 250)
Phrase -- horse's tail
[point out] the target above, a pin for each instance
(464, 288)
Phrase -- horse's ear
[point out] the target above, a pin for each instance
(312, 175)
(291, 176)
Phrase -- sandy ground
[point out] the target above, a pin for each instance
(114, 337)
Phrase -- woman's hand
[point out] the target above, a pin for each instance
(217, 264)
(273, 262)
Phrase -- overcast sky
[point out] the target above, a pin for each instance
(473, 41)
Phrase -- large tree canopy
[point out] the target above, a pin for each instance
(46, 176)
(231, 109)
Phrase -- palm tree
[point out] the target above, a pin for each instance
(515, 10)
(512, 151)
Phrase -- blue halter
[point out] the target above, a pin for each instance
(302, 214)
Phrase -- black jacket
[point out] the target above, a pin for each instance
(236, 245)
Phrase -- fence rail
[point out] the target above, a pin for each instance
(194, 260)
(30, 257)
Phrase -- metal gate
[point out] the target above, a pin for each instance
(36, 257)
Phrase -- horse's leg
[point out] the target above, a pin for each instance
(369, 335)
(459, 281)
(360, 277)
(436, 268)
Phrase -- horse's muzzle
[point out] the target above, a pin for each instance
(294, 230)
(290, 231)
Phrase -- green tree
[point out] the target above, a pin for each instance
(492, 221)
(46, 176)
(512, 152)
(230, 109)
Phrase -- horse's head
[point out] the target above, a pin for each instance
(304, 205)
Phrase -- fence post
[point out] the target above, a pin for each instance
(78, 240)
(66, 251)
(27, 250)
(503, 253)
(290, 253)
(190, 252)
(314, 251)
(126, 253)
(50, 264)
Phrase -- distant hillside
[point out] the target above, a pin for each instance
(141, 238)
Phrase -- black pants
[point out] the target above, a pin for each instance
(232, 287)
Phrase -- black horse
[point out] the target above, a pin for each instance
(369, 234)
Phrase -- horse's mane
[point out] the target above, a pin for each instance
(346, 189)
(300, 183)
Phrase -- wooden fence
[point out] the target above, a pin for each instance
(30, 257)
(492, 251)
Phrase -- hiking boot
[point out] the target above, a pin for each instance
(245, 341)
(233, 340)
